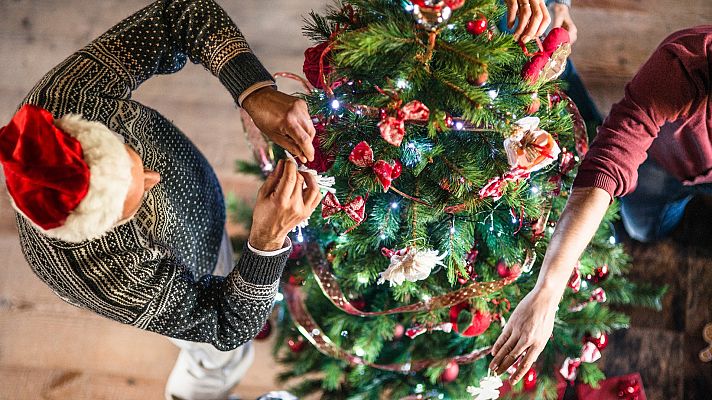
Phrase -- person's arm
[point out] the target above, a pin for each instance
(675, 76)
(159, 39)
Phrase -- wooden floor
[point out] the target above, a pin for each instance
(50, 350)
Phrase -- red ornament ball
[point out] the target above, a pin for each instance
(477, 27)
(265, 332)
(452, 370)
(481, 320)
(295, 280)
(530, 379)
(505, 272)
(358, 303)
(600, 340)
(296, 345)
(599, 274)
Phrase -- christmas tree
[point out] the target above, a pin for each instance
(453, 149)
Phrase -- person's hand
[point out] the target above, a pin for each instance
(283, 202)
(284, 119)
(526, 333)
(562, 18)
(533, 18)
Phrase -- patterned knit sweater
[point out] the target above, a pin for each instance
(154, 271)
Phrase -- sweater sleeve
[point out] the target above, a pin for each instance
(668, 85)
(160, 38)
(223, 311)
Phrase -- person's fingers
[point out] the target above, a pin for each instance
(502, 339)
(512, 8)
(271, 181)
(545, 19)
(573, 32)
(504, 352)
(299, 135)
(288, 144)
(507, 361)
(298, 188)
(524, 13)
(524, 366)
(312, 194)
(308, 125)
(285, 187)
(534, 21)
(558, 20)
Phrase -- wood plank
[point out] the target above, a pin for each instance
(655, 353)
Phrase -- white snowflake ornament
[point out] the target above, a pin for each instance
(410, 264)
(487, 390)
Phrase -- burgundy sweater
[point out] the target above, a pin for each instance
(666, 114)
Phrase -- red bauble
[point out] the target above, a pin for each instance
(296, 345)
(295, 280)
(265, 332)
(480, 80)
(398, 331)
(600, 340)
(530, 379)
(599, 274)
(534, 106)
(454, 4)
(481, 320)
(477, 27)
(452, 370)
(505, 272)
(311, 64)
(397, 169)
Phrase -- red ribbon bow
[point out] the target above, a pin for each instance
(362, 156)
(393, 127)
(495, 186)
(355, 209)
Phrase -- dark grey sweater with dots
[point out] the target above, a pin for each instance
(155, 271)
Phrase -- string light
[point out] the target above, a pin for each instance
(359, 351)
(300, 236)
(362, 278)
(344, 333)
(394, 205)
(535, 189)
(383, 236)
(459, 125)
(278, 297)
(402, 84)
(335, 104)
(452, 227)
(408, 7)
(492, 94)
(612, 240)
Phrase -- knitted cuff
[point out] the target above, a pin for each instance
(260, 270)
(243, 71)
(596, 179)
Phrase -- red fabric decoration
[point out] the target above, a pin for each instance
(393, 127)
(481, 320)
(362, 156)
(533, 67)
(355, 209)
(312, 56)
(323, 161)
(575, 279)
(454, 4)
(44, 167)
(555, 39)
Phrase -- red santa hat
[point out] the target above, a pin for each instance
(69, 177)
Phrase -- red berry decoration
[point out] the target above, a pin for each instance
(477, 27)
(600, 340)
(599, 274)
(296, 345)
(295, 280)
(530, 379)
(452, 370)
(265, 332)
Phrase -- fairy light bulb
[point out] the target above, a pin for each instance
(335, 104)
(394, 205)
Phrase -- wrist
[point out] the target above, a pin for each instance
(252, 100)
(265, 243)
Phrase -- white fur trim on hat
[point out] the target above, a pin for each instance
(110, 177)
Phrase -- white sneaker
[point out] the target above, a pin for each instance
(192, 380)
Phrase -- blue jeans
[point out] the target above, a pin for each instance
(657, 204)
